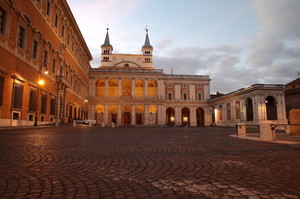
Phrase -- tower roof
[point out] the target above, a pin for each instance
(106, 41)
(147, 41)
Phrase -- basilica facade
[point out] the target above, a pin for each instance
(127, 90)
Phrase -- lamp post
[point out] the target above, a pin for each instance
(41, 82)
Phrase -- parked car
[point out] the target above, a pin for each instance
(80, 121)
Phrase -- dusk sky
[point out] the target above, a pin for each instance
(236, 42)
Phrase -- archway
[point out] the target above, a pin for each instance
(126, 115)
(139, 115)
(170, 114)
(126, 87)
(249, 109)
(113, 114)
(271, 108)
(200, 116)
(152, 88)
(152, 114)
(139, 88)
(100, 87)
(99, 114)
(113, 88)
(185, 113)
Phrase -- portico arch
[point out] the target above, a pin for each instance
(100, 87)
(185, 113)
(126, 87)
(126, 115)
(112, 114)
(152, 88)
(113, 88)
(152, 114)
(170, 116)
(139, 114)
(200, 116)
(249, 109)
(99, 114)
(139, 88)
(271, 108)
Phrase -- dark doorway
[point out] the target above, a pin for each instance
(139, 118)
(249, 109)
(114, 118)
(271, 108)
(126, 118)
(200, 116)
(170, 114)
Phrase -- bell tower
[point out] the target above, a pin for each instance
(106, 49)
(147, 50)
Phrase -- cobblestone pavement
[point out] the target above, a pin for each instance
(93, 162)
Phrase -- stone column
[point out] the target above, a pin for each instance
(92, 90)
(243, 110)
(133, 115)
(91, 114)
(207, 116)
(120, 87)
(106, 87)
(119, 116)
(133, 87)
(146, 115)
(146, 87)
(159, 115)
(163, 115)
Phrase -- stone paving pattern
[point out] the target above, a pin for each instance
(130, 163)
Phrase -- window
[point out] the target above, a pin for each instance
(48, 8)
(44, 103)
(32, 100)
(170, 96)
(184, 86)
(52, 106)
(21, 37)
(2, 20)
(16, 115)
(105, 58)
(185, 96)
(45, 58)
(68, 40)
(17, 96)
(199, 96)
(147, 59)
(56, 21)
(35, 49)
(228, 111)
(73, 46)
(53, 65)
(30, 117)
(199, 86)
(1, 88)
(237, 110)
(220, 112)
(169, 85)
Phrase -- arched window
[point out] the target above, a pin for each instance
(271, 108)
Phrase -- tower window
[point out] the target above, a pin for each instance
(199, 96)
(126, 65)
(105, 58)
(184, 96)
(147, 59)
(170, 96)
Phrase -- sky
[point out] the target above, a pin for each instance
(236, 42)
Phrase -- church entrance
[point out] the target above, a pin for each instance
(126, 118)
(139, 118)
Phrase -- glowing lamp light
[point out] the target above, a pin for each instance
(185, 119)
(266, 101)
(41, 82)
(46, 72)
(172, 118)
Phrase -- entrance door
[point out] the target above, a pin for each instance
(139, 119)
(114, 118)
(127, 118)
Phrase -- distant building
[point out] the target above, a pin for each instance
(250, 105)
(40, 40)
(292, 95)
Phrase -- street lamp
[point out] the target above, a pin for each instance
(41, 82)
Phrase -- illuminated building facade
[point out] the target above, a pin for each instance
(127, 90)
(40, 40)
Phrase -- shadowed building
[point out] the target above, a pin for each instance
(44, 63)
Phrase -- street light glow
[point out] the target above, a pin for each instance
(41, 82)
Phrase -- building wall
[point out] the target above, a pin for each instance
(38, 37)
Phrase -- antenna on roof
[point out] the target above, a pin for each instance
(146, 28)
(107, 25)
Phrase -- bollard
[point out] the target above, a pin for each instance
(241, 131)
(266, 131)
(74, 123)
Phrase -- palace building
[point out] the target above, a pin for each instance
(44, 63)
(127, 90)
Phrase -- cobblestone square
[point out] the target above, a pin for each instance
(93, 162)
